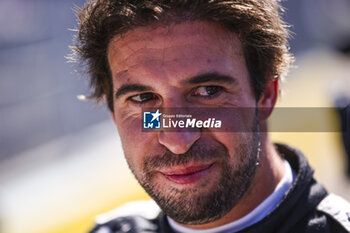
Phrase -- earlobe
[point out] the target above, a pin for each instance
(268, 99)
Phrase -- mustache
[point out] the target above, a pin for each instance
(197, 152)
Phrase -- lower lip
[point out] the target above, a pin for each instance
(189, 178)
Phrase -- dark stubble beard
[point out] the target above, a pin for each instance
(206, 203)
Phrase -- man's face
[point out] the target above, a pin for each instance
(196, 177)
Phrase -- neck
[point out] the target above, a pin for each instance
(268, 174)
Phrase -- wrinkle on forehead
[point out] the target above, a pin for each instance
(176, 54)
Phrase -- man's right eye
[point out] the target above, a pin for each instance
(143, 98)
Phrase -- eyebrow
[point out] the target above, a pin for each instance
(127, 88)
(202, 78)
(211, 77)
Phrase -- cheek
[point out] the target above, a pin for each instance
(136, 143)
(129, 127)
(236, 119)
(232, 142)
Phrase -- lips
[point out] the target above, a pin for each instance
(187, 174)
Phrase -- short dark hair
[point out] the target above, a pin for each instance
(258, 24)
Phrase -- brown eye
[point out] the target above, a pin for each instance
(142, 98)
(206, 91)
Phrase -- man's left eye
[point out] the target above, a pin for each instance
(206, 91)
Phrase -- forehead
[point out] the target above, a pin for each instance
(200, 37)
(170, 55)
(156, 34)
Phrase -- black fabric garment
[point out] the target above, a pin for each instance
(299, 211)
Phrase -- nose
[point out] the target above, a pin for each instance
(180, 141)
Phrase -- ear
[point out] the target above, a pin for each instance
(268, 99)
